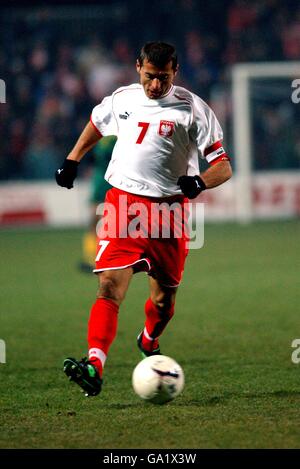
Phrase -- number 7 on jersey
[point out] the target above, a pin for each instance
(143, 132)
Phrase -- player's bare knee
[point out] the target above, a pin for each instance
(165, 305)
(164, 301)
(109, 289)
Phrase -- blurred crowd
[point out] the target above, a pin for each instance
(59, 63)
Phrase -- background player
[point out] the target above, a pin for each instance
(161, 130)
(101, 157)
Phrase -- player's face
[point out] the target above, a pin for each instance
(155, 81)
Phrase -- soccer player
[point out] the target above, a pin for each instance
(161, 131)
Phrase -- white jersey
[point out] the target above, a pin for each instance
(159, 140)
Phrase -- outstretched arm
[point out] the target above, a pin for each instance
(66, 174)
(88, 138)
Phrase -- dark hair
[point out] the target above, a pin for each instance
(159, 54)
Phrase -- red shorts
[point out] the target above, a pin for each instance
(147, 233)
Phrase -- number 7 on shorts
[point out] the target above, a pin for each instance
(103, 245)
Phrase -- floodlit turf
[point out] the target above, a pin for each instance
(237, 314)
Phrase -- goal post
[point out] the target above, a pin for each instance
(242, 74)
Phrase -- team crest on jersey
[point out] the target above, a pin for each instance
(166, 128)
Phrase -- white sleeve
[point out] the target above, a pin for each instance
(103, 117)
(205, 130)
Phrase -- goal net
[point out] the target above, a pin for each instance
(266, 140)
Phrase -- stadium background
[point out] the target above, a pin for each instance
(240, 291)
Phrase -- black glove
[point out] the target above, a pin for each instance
(191, 186)
(67, 173)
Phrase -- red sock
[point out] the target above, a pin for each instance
(102, 329)
(156, 321)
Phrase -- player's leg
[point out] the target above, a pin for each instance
(102, 325)
(102, 328)
(159, 309)
(167, 257)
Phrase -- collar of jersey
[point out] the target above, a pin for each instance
(169, 92)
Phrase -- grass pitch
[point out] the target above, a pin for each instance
(237, 314)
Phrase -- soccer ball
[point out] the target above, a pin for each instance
(158, 379)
